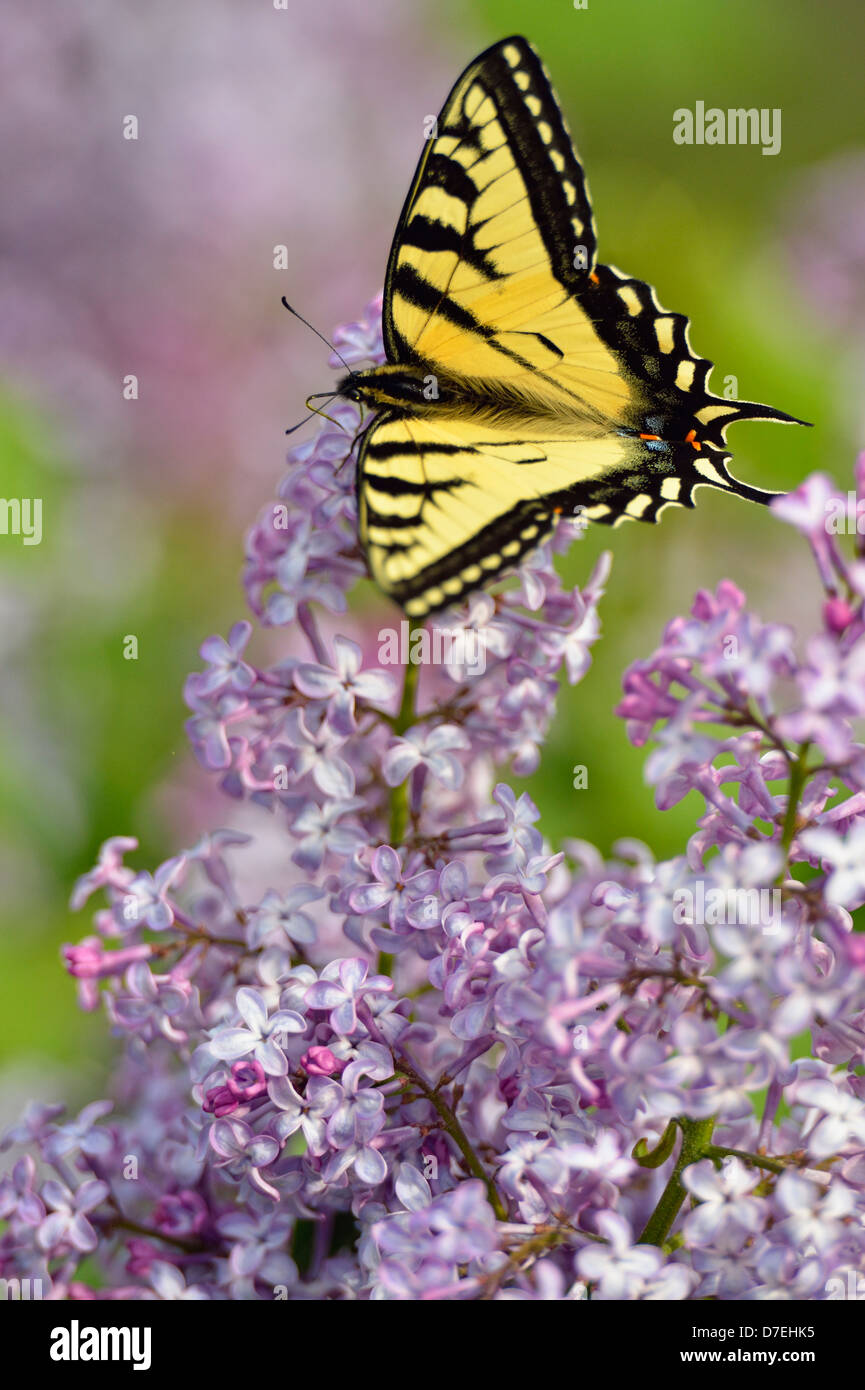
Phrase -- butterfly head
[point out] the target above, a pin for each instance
(349, 388)
(389, 385)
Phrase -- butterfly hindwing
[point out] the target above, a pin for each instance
(449, 502)
(652, 345)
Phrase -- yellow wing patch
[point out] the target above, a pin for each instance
(448, 502)
(477, 287)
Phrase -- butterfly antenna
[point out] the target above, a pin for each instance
(335, 352)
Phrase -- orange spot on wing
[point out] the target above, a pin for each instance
(593, 277)
(691, 438)
(650, 436)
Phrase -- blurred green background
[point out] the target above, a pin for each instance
(301, 127)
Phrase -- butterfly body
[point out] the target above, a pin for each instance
(523, 379)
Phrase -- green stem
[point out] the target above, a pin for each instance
(452, 1126)
(696, 1135)
(535, 1246)
(398, 814)
(773, 1165)
(798, 774)
(122, 1223)
(399, 795)
(404, 720)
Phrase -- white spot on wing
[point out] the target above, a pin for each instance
(708, 470)
(638, 504)
(664, 334)
(685, 375)
(630, 299)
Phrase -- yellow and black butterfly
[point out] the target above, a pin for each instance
(523, 380)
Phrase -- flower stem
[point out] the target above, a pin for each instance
(525, 1255)
(452, 1126)
(797, 784)
(773, 1165)
(399, 796)
(192, 1246)
(696, 1137)
(308, 625)
(404, 720)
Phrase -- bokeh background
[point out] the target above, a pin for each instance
(301, 126)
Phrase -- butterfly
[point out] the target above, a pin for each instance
(524, 381)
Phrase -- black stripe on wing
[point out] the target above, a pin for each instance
(428, 234)
(511, 74)
(375, 488)
(654, 475)
(424, 295)
(494, 549)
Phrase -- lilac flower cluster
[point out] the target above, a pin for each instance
(441, 1061)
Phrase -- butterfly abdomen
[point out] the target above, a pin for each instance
(399, 389)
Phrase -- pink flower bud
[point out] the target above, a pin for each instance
(837, 614)
(320, 1061)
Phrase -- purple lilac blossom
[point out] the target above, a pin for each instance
(487, 1079)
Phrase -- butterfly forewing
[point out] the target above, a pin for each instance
(493, 243)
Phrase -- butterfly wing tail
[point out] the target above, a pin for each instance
(725, 482)
(715, 430)
(665, 479)
(751, 410)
